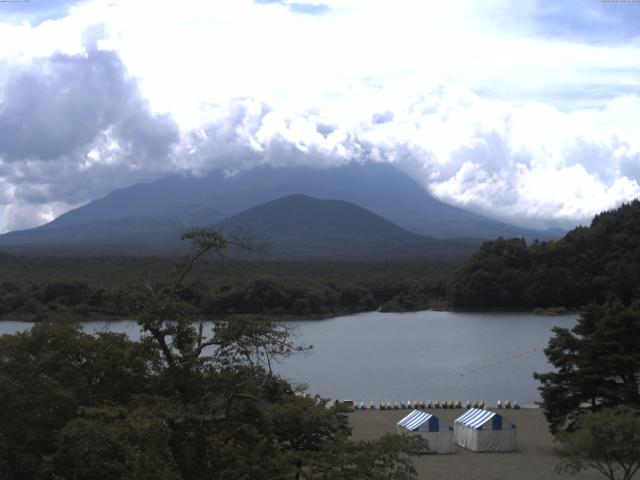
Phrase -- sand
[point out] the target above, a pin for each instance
(534, 460)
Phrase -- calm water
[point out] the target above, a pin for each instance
(411, 356)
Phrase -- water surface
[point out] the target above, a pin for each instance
(410, 356)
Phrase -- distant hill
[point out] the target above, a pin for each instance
(302, 226)
(147, 218)
(296, 227)
(380, 188)
(588, 264)
(128, 236)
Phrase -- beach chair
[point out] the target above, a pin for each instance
(516, 406)
(371, 405)
(499, 404)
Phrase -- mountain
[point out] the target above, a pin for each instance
(302, 226)
(149, 218)
(380, 188)
(295, 226)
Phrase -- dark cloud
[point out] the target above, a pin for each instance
(382, 117)
(62, 103)
(325, 129)
(73, 128)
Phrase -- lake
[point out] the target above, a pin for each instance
(411, 356)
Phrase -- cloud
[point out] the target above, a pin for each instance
(60, 104)
(309, 8)
(530, 117)
(34, 12)
(532, 165)
(298, 7)
(591, 21)
(73, 126)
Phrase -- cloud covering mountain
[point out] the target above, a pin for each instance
(528, 118)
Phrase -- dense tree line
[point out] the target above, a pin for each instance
(181, 403)
(592, 397)
(264, 295)
(589, 264)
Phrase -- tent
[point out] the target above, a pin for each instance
(484, 431)
(428, 426)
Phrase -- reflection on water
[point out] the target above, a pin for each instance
(411, 356)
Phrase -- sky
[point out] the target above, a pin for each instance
(527, 113)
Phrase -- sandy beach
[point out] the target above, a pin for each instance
(534, 460)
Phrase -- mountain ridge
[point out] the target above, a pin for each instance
(380, 188)
(149, 218)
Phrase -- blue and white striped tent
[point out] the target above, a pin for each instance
(428, 426)
(484, 431)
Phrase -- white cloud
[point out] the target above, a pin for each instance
(467, 97)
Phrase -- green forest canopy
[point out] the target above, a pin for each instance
(588, 264)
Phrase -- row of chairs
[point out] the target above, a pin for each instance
(421, 404)
(418, 404)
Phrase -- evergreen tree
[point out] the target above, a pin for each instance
(597, 364)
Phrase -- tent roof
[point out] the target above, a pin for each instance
(476, 417)
(414, 419)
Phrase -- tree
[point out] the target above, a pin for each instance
(597, 362)
(387, 458)
(181, 403)
(607, 441)
(114, 443)
(48, 373)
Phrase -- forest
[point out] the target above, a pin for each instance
(180, 403)
(186, 403)
(590, 264)
(72, 289)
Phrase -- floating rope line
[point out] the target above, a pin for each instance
(503, 358)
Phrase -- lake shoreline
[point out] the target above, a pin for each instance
(553, 312)
(427, 355)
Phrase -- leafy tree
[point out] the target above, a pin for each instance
(607, 441)
(48, 373)
(180, 403)
(597, 364)
(114, 443)
(590, 264)
(385, 459)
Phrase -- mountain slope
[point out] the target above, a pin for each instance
(296, 226)
(302, 226)
(380, 188)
